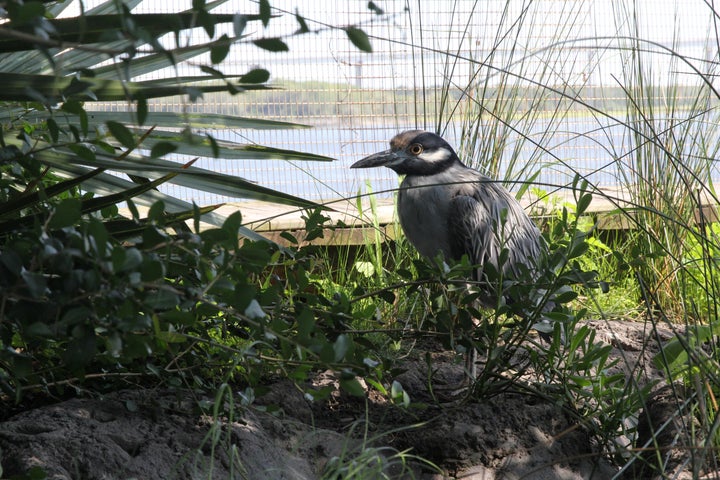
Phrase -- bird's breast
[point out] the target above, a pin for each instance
(423, 211)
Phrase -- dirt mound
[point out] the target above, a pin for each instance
(162, 434)
(149, 434)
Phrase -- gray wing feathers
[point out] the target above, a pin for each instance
(487, 220)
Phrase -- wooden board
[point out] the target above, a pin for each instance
(377, 220)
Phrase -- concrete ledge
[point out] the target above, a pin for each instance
(611, 208)
(377, 221)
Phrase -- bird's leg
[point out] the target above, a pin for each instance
(471, 365)
(471, 356)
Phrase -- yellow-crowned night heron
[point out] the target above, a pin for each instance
(448, 208)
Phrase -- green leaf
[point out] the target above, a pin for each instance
(306, 325)
(142, 110)
(206, 21)
(388, 296)
(81, 349)
(156, 212)
(303, 28)
(220, 50)
(197, 120)
(152, 270)
(399, 395)
(75, 107)
(578, 249)
(178, 317)
(137, 66)
(39, 330)
(83, 152)
(372, 6)
(78, 87)
(122, 134)
(341, 346)
(126, 258)
(25, 13)
(582, 382)
(566, 297)
(214, 146)
(162, 148)
(359, 38)
(674, 356)
(76, 316)
(162, 300)
(53, 129)
(171, 337)
(98, 203)
(232, 223)
(66, 213)
(95, 28)
(265, 12)
(271, 44)
(30, 87)
(36, 472)
(152, 237)
(11, 260)
(35, 283)
(212, 71)
(366, 269)
(257, 75)
(352, 386)
(71, 106)
(22, 366)
(289, 237)
(583, 204)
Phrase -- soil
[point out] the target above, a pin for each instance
(286, 435)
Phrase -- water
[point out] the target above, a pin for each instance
(575, 146)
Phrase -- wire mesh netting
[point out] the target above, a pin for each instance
(523, 90)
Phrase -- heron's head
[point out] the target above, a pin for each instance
(414, 152)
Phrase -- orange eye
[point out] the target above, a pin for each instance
(415, 149)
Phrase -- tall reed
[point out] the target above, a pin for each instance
(656, 118)
(667, 163)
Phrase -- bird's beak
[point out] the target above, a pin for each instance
(379, 159)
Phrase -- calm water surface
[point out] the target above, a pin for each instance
(576, 146)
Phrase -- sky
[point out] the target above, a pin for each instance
(511, 30)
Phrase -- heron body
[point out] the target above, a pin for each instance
(448, 208)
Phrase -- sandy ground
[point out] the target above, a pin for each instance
(511, 435)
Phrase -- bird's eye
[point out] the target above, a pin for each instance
(415, 149)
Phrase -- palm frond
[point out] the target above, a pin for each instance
(53, 70)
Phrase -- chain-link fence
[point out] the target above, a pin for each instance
(518, 87)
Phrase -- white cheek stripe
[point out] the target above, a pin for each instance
(439, 155)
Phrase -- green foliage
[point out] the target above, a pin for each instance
(191, 308)
(90, 299)
(88, 295)
(365, 461)
(618, 295)
(48, 116)
(375, 463)
(359, 38)
(699, 274)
